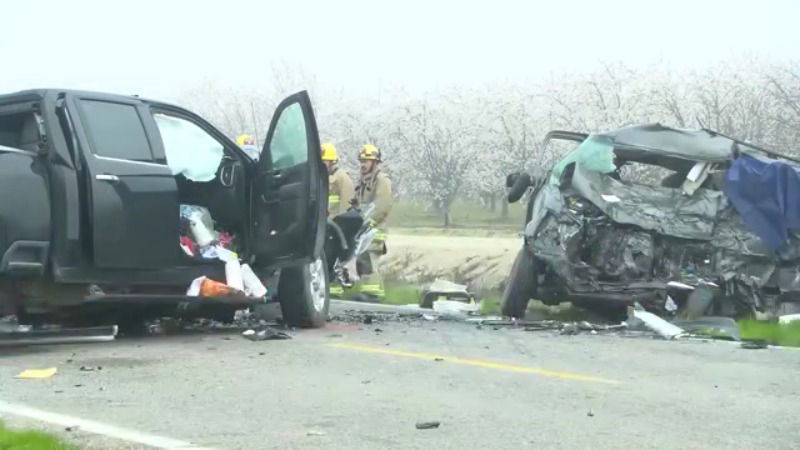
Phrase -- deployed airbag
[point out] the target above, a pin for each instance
(190, 151)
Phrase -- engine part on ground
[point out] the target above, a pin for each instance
(444, 290)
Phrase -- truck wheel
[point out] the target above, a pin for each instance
(521, 285)
(303, 294)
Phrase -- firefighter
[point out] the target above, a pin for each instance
(340, 185)
(248, 143)
(375, 188)
(340, 193)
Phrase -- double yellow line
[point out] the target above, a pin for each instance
(476, 363)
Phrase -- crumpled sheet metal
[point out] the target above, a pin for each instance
(660, 141)
(702, 228)
(665, 211)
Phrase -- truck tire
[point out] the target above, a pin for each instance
(521, 285)
(303, 294)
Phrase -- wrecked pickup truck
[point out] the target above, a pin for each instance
(113, 205)
(682, 222)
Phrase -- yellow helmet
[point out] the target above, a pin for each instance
(242, 139)
(369, 153)
(329, 152)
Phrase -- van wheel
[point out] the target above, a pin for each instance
(303, 294)
(521, 285)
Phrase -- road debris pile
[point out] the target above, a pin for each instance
(356, 316)
(559, 326)
(265, 334)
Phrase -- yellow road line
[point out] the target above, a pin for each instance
(476, 363)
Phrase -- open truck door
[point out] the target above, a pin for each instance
(290, 189)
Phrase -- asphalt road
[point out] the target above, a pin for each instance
(365, 386)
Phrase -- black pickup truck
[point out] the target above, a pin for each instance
(92, 189)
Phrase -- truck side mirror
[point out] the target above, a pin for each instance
(511, 179)
(519, 183)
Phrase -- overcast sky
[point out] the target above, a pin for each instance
(160, 48)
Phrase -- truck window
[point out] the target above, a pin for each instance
(116, 131)
(189, 149)
(289, 146)
(19, 131)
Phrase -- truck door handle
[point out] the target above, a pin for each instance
(109, 178)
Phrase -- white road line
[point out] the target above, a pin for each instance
(91, 426)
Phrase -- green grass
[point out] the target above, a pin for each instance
(398, 293)
(464, 214)
(774, 333)
(490, 306)
(29, 440)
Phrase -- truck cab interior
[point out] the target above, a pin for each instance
(144, 165)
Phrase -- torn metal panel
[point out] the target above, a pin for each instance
(696, 177)
(664, 210)
(660, 143)
(550, 200)
(730, 234)
(786, 278)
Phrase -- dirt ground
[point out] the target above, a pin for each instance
(483, 263)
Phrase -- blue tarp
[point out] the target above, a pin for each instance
(767, 196)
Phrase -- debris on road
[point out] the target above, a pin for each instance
(756, 344)
(37, 374)
(355, 316)
(657, 324)
(455, 308)
(443, 290)
(427, 425)
(789, 318)
(639, 323)
(265, 334)
(90, 368)
(551, 325)
(716, 327)
(25, 335)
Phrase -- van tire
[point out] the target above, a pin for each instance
(303, 292)
(521, 285)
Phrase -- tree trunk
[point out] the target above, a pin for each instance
(492, 202)
(504, 212)
(447, 217)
